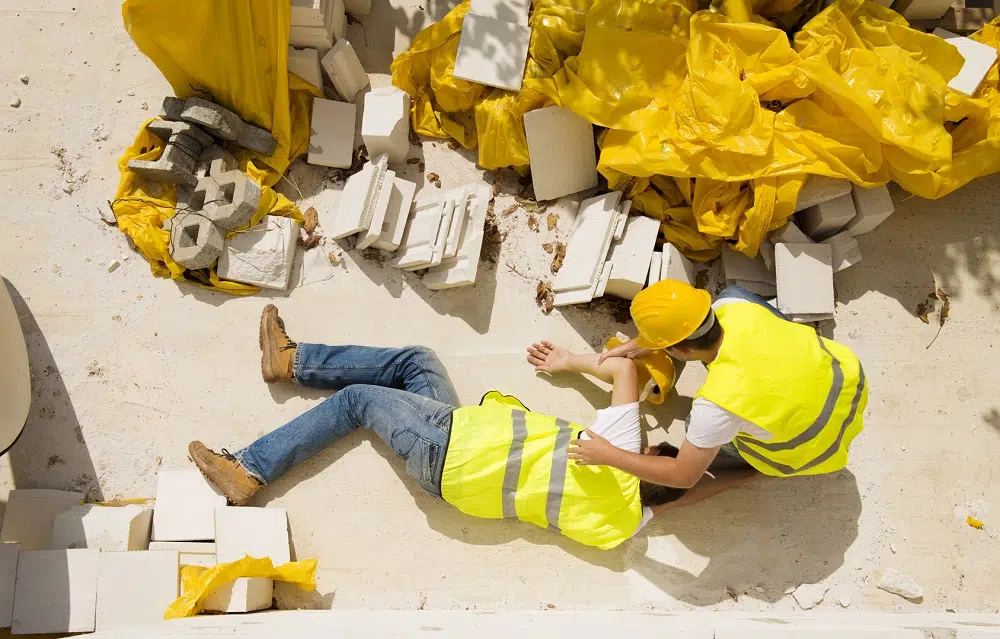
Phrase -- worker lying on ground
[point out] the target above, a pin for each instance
(778, 397)
(493, 460)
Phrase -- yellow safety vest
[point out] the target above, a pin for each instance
(807, 391)
(504, 461)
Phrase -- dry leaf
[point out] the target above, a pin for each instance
(510, 209)
(530, 205)
(533, 223)
(309, 241)
(975, 523)
(560, 255)
(421, 166)
(732, 593)
(413, 161)
(923, 309)
(435, 179)
(496, 184)
(548, 247)
(552, 220)
(492, 237)
(543, 297)
(945, 308)
(310, 220)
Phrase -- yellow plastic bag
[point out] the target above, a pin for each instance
(199, 582)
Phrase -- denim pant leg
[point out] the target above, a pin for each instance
(417, 429)
(416, 369)
(740, 293)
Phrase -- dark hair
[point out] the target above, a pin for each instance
(654, 494)
(706, 341)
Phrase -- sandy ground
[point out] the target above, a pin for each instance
(127, 369)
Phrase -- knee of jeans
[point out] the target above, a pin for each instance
(422, 354)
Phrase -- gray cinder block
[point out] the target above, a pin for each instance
(166, 129)
(257, 139)
(172, 108)
(214, 160)
(166, 172)
(242, 196)
(195, 242)
(214, 117)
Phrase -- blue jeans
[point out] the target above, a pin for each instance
(403, 395)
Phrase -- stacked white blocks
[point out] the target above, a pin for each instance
(254, 532)
(317, 24)
(579, 280)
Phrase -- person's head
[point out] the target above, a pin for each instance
(654, 494)
(675, 316)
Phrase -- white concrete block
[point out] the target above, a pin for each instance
(447, 215)
(185, 506)
(245, 594)
(631, 257)
(623, 216)
(135, 588)
(738, 266)
(385, 124)
(318, 38)
(576, 296)
(602, 282)
(492, 52)
(195, 559)
(55, 591)
(764, 289)
(461, 270)
(979, 58)
(261, 255)
(655, 273)
(358, 7)
(305, 64)
(258, 532)
(337, 18)
(373, 230)
(458, 220)
(359, 199)
(309, 13)
(845, 249)
(396, 215)
(344, 69)
(676, 266)
(805, 278)
(820, 188)
(766, 252)
(8, 574)
(790, 234)
(192, 553)
(827, 218)
(926, 9)
(31, 513)
(561, 152)
(331, 139)
(515, 11)
(873, 206)
(107, 528)
(588, 244)
(420, 236)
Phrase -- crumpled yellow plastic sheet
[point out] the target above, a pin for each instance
(236, 53)
(199, 582)
(713, 124)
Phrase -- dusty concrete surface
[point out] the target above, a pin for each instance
(127, 369)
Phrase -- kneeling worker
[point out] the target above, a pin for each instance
(493, 460)
(778, 397)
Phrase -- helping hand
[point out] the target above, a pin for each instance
(627, 350)
(548, 358)
(595, 451)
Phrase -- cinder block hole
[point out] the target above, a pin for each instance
(228, 191)
(189, 236)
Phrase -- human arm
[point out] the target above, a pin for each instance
(708, 487)
(619, 372)
(684, 471)
(628, 350)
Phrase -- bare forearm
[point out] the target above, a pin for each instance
(588, 365)
(653, 468)
(620, 373)
(709, 487)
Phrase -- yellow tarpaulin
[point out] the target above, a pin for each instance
(713, 123)
(234, 52)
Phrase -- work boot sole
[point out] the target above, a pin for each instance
(268, 341)
(202, 458)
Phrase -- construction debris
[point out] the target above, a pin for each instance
(31, 513)
(134, 588)
(185, 506)
(261, 255)
(317, 23)
(804, 280)
(493, 51)
(561, 147)
(305, 64)
(899, 583)
(55, 591)
(105, 528)
(344, 69)
(808, 596)
(818, 189)
(873, 206)
(385, 124)
(587, 251)
(845, 249)
(827, 218)
(631, 255)
(332, 140)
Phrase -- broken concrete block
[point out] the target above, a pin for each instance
(873, 206)
(257, 139)
(789, 234)
(337, 20)
(979, 58)
(31, 514)
(213, 160)
(458, 219)
(305, 64)
(396, 216)
(172, 108)
(185, 506)
(515, 11)
(360, 198)
(440, 242)
(195, 242)
(676, 266)
(655, 273)
(167, 129)
(261, 255)
(385, 124)
(258, 532)
(373, 229)
(846, 251)
(320, 38)
(492, 52)
(309, 13)
(55, 591)
(900, 583)
(462, 268)
(805, 278)
(106, 528)
(245, 594)
(561, 152)
(603, 279)
(8, 573)
(331, 142)
(738, 266)
(820, 188)
(588, 244)
(344, 69)
(134, 588)
(216, 118)
(827, 218)
(192, 553)
(167, 171)
(419, 237)
(358, 7)
(631, 256)
(808, 596)
(240, 195)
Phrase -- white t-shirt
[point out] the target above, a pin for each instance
(620, 425)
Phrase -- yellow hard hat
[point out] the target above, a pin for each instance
(669, 312)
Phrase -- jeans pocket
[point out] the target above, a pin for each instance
(420, 462)
(402, 442)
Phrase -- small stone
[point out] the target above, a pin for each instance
(844, 600)
(892, 547)
(949, 610)
(67, 188)
(899, 583)
(24, 79)
(145, 106)
(758, 589)
(113, 265)
(809, 596)
(129, 94)
(789, 590)
(15, 101)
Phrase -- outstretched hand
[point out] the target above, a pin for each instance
(546, 357)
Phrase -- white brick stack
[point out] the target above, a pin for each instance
(259, 533)
(317, 24)
(586, 253)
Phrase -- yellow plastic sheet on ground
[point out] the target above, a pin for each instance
(199, 582)
(235, 53)
(735, 108)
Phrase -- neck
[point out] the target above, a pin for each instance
(708, 356)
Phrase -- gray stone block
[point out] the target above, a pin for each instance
(216, 118)
(191, 144)
(257, 139)
(195, 241)
(164, 171)
(214, 160)
(166, 129)
(180, 149)
(172, 108)
(242, 196)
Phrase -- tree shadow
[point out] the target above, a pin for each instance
(52, 450)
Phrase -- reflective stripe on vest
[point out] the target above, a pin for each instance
(807, 392)
(557, 475)
(513, 470)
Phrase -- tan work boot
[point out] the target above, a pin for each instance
(277, 358)
(225, 472)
